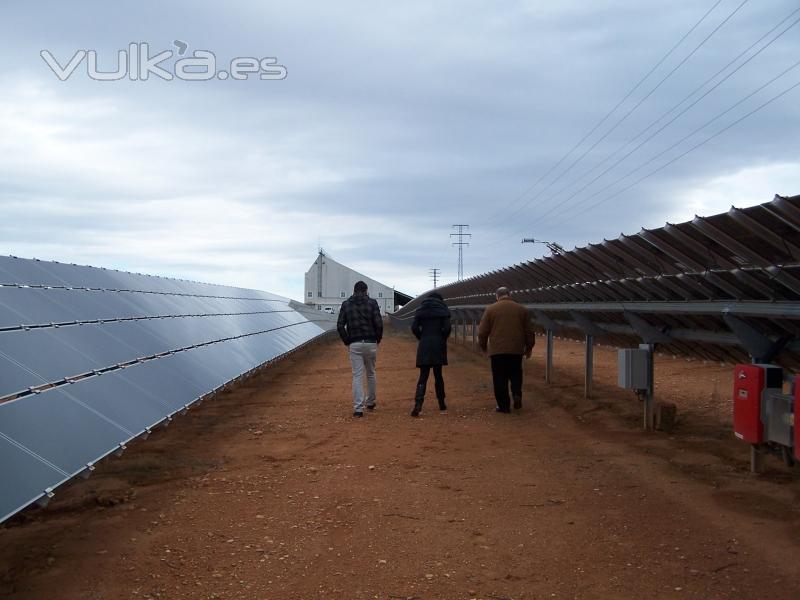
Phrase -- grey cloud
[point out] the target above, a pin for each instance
(396, 121)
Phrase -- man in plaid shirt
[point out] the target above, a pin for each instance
(361, 327)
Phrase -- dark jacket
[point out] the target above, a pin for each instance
(360, 319)
(431, 327)
(506, 328)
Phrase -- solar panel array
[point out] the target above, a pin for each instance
(91, 359)
(724, 287)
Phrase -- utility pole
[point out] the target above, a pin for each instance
(555, 249)
(434, 274)
(460, 235)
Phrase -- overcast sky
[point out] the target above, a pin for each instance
(395, 121)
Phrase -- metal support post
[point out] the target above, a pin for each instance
(649, 400)
(474, 336)
(548, 365)
(587, 383)
(756, 459)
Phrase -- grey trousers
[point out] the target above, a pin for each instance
(362, 358)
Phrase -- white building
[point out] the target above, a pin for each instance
(329, 283)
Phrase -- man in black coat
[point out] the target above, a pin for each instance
(431, 327)
(361, 328)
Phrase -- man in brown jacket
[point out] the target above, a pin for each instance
(506, 333)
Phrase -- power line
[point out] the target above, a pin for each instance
(460, 235)
(548, 212)
(611, 112)
(693, 148)
(634, 108)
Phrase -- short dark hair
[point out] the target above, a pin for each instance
(360, 287)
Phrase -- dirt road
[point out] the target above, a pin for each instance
(274, 491)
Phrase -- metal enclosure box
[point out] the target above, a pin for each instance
(777, 417)
(633, 369)
(749, 386)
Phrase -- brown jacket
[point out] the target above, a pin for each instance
(506, 328)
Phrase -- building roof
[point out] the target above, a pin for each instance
(399, 297)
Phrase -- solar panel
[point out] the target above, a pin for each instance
(26, 477)
(120, 400)
(61, 430)
(20, 271)
(42, 354)
(80, 276)
(15, 378)
(91, 358)
(32, 306)
(228, 363)
(53, 354)
(160, 380)
(133, 339)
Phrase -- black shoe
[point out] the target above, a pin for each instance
(502, 410)
(442, 405)
(417, 409)
(358, 413)
(371, 406)
(419, 399)
(517, 402)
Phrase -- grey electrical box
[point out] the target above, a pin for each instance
(776, 415)
(634, 373)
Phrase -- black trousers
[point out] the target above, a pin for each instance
(424, 373)
(506, 368)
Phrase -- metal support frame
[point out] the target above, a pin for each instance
(680, 334)
(649, 334)
(761, 348)
(586, 324)
(545, 321)
(746, 308)
(45, 498)
(681, 280)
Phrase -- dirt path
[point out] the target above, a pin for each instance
(273, 491)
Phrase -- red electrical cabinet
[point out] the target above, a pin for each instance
(747, 387)
(795, 422)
